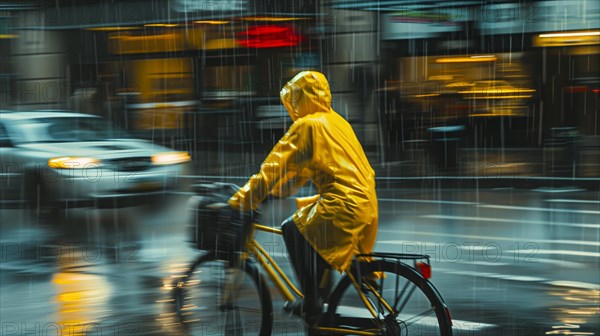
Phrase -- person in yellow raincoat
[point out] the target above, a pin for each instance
(329, 229)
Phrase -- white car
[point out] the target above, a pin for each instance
(67, 159)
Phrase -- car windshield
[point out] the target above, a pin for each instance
(70, 129)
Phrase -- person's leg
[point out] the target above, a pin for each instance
(293, 243)
(308, 265)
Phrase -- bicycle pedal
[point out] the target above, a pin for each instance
(293, 307)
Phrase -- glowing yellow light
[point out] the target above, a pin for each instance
(167, 25)
(8, 36)
(583, 311)
(169, 158)
(501, 97)
(472, 59)
(70, 162)
(175, 276)
(426, 95)
(567, 332)
(579, 38)
(459, 84)
(571, 298)
(214, 22)
(498, 114)
(163, 105)
(589, 33)
(569, 326)
(74, 296)
(441, 77)
(574, 321)
(497, 91)
(112, 28)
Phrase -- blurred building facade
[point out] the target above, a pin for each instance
(187, 73)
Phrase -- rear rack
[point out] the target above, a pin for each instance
(419, 262)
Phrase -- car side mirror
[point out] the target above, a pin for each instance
(5, 142)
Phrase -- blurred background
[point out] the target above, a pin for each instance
(520, 79)
(480, 118)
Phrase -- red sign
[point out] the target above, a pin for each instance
(269, 37)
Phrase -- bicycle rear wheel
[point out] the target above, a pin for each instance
(417, 307)
(214, 298)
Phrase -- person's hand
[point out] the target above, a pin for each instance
(246, 216)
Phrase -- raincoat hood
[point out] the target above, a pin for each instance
(307, 93)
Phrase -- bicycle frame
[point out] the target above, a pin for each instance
(286, 287)
(275, 273)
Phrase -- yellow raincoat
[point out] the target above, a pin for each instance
(341, 221)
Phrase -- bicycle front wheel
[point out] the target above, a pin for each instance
(404, 302)
(213, 298)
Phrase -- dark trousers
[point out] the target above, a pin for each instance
(307, 263)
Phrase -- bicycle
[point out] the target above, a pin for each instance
(230, 296)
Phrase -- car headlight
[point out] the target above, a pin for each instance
(169, 158)
(73, 162)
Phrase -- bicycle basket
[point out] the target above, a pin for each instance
(214, 226)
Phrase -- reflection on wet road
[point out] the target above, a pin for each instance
(507, 263)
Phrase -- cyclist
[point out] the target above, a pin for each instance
(330, 228)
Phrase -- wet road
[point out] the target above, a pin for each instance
(508, 262)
